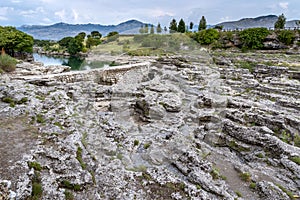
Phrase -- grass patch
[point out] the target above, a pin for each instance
(147, 145)
(295, 159)
(37, 189)
(289, 193)
(245, 176)
(238, 193)
(35, 166)
(7, 63)
(67, 184)
(136, 142)
(246, 65)
(79, 158)
(59, 125)
(252, 185)
(40, 119)
(68, 195)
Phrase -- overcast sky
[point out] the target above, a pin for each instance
(29, 12)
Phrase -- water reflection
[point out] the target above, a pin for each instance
(76, 63)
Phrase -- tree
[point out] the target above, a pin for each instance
(13, 40)
(75, 46)
(191, 25)
(173, 26)
(141, 30)
(280, 23)
(202, 24)
(96, 34)
(158, 28)
(152, 29)
(65, 42)
(165, 29)
(181, 26)
(93, 39)
(80, 37)
(146, 29)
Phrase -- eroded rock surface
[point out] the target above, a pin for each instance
(176, 128)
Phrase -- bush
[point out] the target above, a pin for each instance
(7, 63)
(286, 36)
(207, 36)
(252, 38)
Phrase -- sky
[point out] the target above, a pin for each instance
(112, 12)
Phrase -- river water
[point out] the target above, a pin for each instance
(75, 63)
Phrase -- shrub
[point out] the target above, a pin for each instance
(246, 176)
(7, 63)
(252, 38)
(207, 36)
(286, 36)
(35, 166)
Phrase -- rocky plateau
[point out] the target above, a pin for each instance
(193, 126)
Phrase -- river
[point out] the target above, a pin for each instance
(76, 63)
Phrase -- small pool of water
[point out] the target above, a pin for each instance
(76, 63)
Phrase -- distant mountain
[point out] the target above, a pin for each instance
(263, 21)
(61, 30)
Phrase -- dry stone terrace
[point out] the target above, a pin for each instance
(180, 127)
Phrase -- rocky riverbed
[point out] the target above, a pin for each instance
(180, 127)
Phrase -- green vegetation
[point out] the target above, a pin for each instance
(206, 37)
(202, 24)
(73, 45)
(253, 38)
(37, 189)
(181, 26)
(285, 190)
(245, 176)
(173, 26)
(59, 125)
(295, 159)
(215, 173)
(35, 166)
(79, 157)
(13, 102)
(13, 40)
(280, 23)
(136, 142)
(252, 185)
(7, 63)
(68, 195)
(67, 184)
(238, 193)
(246, 65)
(286, 36)
(158, 28)
(147, 145)
(40, 118)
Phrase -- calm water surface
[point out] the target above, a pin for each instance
(75, 63)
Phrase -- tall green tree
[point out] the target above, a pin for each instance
(202, 24)
(152, 29)
(141, 30)
(173, 26)
(280, 23)
(181, 26)
(146, 30)
(191, 25)
(158, 28)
